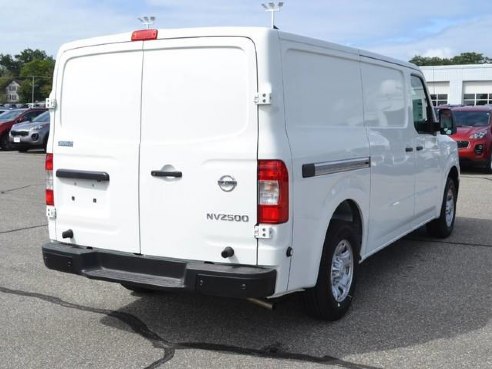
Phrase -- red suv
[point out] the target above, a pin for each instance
(10, 117)
(474, 135)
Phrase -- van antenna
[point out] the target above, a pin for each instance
(147, 21)
(273, 8)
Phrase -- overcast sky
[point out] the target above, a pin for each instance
(396, 28)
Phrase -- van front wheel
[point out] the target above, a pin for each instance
(332, 295)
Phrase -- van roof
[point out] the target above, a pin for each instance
(250, 32)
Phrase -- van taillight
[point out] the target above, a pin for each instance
(49, 194)
(273, 192)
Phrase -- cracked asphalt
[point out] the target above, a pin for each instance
(420, 303)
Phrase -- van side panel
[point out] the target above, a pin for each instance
(324, 118)
(98, 134)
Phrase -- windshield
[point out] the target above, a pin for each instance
(471, 118)
(44, 117)
(10, 114)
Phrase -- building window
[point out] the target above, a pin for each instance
(439, 99)
(477, 99)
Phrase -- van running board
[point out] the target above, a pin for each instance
(227, 280)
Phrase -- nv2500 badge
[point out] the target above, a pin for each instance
(228, 217)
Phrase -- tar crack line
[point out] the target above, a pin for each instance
(169, 348)
(23, 228)
(19, 188)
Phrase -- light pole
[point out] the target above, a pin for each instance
(273, 8)
(147, 21)
(32, 92)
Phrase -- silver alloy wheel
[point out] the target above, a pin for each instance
(342, 270)
(449, 207)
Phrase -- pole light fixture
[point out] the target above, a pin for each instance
(147, 21)
(272, 8)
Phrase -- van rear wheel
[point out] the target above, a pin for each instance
(443, 226)
(332, 295)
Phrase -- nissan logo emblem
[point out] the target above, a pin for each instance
(227, 183)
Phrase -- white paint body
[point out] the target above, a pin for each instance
(186, 102)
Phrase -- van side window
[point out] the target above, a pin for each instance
(384, 97)
(420, 104)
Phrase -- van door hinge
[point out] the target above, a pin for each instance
(263, 98)
(51, 212)
(50, 103)
(263, 232)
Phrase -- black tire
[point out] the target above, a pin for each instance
(320, 301)
(443, 226)
(488, 165)
(136, 288)
(22, 150)
(4, 143)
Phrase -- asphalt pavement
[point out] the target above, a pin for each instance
(420, 303)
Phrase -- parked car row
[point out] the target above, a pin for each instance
(20, 130)
(22, 105)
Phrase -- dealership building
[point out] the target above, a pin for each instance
(460, 84)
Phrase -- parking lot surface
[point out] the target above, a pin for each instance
(420, 303)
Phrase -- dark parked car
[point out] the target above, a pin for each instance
(30, 135)
(10, 117)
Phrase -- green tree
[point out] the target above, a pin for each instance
(470, 58)
(41, 71)
(9, 66)
(23, 67)
(463, 58)
(4, 81)
(28, 55)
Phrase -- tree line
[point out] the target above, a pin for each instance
(463, 58)
(27, 66)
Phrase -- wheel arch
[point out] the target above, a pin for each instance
(349, 211)
(455, 176)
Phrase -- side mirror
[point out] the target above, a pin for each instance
(446, 122)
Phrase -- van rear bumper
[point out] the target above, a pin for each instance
(160, 273)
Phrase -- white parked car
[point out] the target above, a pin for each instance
(241, 162)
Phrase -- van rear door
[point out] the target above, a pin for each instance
(198, 157)
(96, 146)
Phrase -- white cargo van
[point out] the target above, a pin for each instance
(241, 162)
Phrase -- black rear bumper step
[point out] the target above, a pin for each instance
(161, 273)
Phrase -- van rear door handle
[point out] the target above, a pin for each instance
(163, 173)
(83, 174)
(408, 149)
(420, 148)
